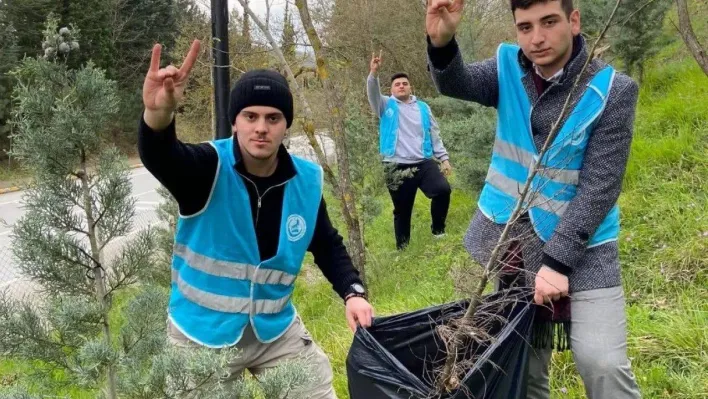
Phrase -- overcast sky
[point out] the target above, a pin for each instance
(259, 6)
(277, 11)
(277, 7)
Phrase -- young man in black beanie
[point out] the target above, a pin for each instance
(233, 271)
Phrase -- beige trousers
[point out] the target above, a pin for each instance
(257, 357)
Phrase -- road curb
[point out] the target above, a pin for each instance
(9, 189)
(13, 189)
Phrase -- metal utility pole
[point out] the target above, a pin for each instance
(220, 71)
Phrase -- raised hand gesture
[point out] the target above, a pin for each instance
(375, 63)
(442, 19)
(164, 87)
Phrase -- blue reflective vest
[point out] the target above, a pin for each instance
(555, 184)
(219, 284)
(388, 129)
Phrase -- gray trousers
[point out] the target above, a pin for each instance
(598, 337)
(258, 357)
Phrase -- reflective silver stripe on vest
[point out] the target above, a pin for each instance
(235, 270)
(211, 301)
(272, 276)
(526, 158)
(263, 306)
(513, 188)
(227, 304)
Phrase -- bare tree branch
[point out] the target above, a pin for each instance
(267, 18)
(630, 16)
(346, 193)
(304, 69)
(689, 36)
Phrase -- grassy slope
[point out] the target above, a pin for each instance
(663, 251)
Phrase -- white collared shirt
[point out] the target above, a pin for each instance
(553, 79)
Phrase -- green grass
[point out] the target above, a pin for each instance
(15, 371)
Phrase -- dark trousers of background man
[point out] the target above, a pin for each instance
(433, 184)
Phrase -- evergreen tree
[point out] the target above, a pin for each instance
(78, 207)
(639, 37)
(28, 18)
(75, 241)
(636, 34)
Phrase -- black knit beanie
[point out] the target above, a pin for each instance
(261, 87)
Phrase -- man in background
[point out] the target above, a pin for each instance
(410, 144)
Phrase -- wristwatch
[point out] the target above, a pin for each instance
(355, 289)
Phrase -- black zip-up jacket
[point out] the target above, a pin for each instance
(188, 172)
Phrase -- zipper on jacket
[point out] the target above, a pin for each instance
(260, 197)
(255, 228)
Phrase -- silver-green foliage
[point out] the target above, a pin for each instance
(79, 204)
(468, 131)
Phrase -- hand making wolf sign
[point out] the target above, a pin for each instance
(442, 19)
(375, 62)
(164, 87)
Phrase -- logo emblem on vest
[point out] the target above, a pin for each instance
(296, 227)
(389, 113)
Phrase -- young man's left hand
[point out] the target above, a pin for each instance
(359, 311)
(550, 286)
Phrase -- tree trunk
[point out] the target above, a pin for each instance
(246, 29)
(341, 186)
(629, 69)
(448, 380)
(334, 104)
(98, 275)
(689, 36)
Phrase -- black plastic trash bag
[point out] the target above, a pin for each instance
(396, 356)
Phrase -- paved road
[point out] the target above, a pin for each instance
(11, 210)
(144, 186)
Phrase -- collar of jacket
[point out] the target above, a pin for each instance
(283, 172)
(572, 68)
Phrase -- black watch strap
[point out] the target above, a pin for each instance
(355, 290)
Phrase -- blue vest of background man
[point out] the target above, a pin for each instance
(388, 128)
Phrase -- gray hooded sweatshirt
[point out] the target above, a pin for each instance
(409, 148)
